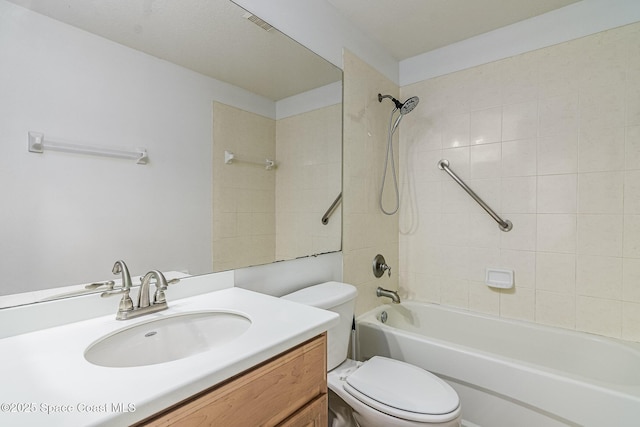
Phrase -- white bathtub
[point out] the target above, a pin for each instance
(511, 373)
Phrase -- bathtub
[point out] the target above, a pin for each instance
(511, 373)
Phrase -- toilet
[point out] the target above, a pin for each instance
(380, 392)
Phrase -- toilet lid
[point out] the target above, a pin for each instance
(388, 384)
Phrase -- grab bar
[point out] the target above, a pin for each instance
(329, 212)
(505, 225)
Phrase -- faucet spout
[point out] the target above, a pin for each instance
(143, 293)
(161, 284)
(380, 292)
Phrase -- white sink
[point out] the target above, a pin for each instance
(166, 339)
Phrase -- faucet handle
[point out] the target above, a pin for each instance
(126, 304)
(161, 286)
(380, 265)
(159, 297)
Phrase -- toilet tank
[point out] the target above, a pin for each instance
(339, 298)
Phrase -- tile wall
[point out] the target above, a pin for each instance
(551, 140)
(367, 231)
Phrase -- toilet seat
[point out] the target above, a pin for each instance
(403, 391)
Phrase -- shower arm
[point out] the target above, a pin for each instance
(505, 225)
(397, 103)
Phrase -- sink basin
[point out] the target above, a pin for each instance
(167, 339)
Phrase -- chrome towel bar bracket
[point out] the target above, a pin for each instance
(505, 225)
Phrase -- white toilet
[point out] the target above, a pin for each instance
(380, 392)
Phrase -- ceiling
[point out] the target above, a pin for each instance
(406, 28)
(224, 45)
(210, 37)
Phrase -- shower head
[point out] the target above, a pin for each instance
(409, 105)
(406, 107)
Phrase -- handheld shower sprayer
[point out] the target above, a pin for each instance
(405, 108)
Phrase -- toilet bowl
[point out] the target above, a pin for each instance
(379, 392)
(383, 392)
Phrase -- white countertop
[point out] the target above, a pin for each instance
(45, 371)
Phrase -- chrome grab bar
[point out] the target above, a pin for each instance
(505, 225)
(329, 212)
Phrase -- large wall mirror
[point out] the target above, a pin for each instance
(242, 128)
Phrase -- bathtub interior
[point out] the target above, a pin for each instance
(583, 355)
(548, 388)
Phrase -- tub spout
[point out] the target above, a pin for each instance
(389, 294)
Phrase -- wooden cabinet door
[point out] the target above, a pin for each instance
(264, 396)
(315, 414)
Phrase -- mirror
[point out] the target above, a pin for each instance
(193, 83)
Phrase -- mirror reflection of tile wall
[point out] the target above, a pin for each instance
(308, 179)
(253, 205)
(243, 192)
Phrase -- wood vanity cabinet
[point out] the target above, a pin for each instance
(289, 390)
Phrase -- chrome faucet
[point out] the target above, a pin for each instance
(126, 308)
(389, 294)
(158, 297)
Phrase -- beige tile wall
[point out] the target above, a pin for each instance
(243, 193)
(259, 215)
(308, 179)
(551, 140)
(367, 231)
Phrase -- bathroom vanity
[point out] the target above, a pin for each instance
(272, 373)
(289, 390)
